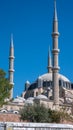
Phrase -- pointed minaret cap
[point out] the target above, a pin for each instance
(11, 45)
(55, 12)
(11, 48)
(49, 53)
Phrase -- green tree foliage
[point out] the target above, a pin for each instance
(5, 88)
(39, 113)
(35, 113)
(27, 113)
(54, 116)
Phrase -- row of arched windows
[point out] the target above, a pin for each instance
(61, 83)
(65, 84)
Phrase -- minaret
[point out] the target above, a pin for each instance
(49, 67)
(11, 66)
(55, 52)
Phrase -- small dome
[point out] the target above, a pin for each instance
(41, 97)
(39, 77)
(19, 100)
(28, 101)
(30, 98)
(27, 82)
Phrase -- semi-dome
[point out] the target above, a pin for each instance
(41, 97)
(48, 77)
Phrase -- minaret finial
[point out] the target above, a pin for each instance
(55, 11)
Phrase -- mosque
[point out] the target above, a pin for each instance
(52, 89)
(53, 85)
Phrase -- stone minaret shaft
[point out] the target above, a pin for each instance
(11, 66)
(49, 67)
(55, 52)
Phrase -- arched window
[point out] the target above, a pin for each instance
(48, 83)
(59, 82)
(36, 93)
(44, 84)
(63, 84)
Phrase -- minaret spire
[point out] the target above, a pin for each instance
(49, 67)
(11, 40)
(11, 66)
(55, 52)
(55, 11)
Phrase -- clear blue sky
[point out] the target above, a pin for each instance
(30, 21)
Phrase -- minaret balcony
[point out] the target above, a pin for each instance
(55, 51)
(11, 70)
(49, 66)
(55, 68)
(12, 83)
(11, 57)
(55, 34)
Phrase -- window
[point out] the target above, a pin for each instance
(44, 84)
(59, 82)
(36, 93)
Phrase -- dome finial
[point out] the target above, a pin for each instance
(55, 11)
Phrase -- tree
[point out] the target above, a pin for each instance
(39, 113)
(27, 113)
(5, 88)
(35, 113)
(54, 116)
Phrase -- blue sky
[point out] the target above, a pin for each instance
(30, 21)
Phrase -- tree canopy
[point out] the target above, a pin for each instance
(35, 113)
(5, 88)
(39, 113)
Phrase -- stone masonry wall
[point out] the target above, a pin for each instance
(8, 117)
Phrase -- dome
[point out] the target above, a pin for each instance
(41, 97)
(30, 98)
(18, 100)
(39, 77)
(28, 101)
(48, 77)
(27, 82)
(46, 80)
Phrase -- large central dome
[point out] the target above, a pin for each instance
(48, 77)
(46, 80)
